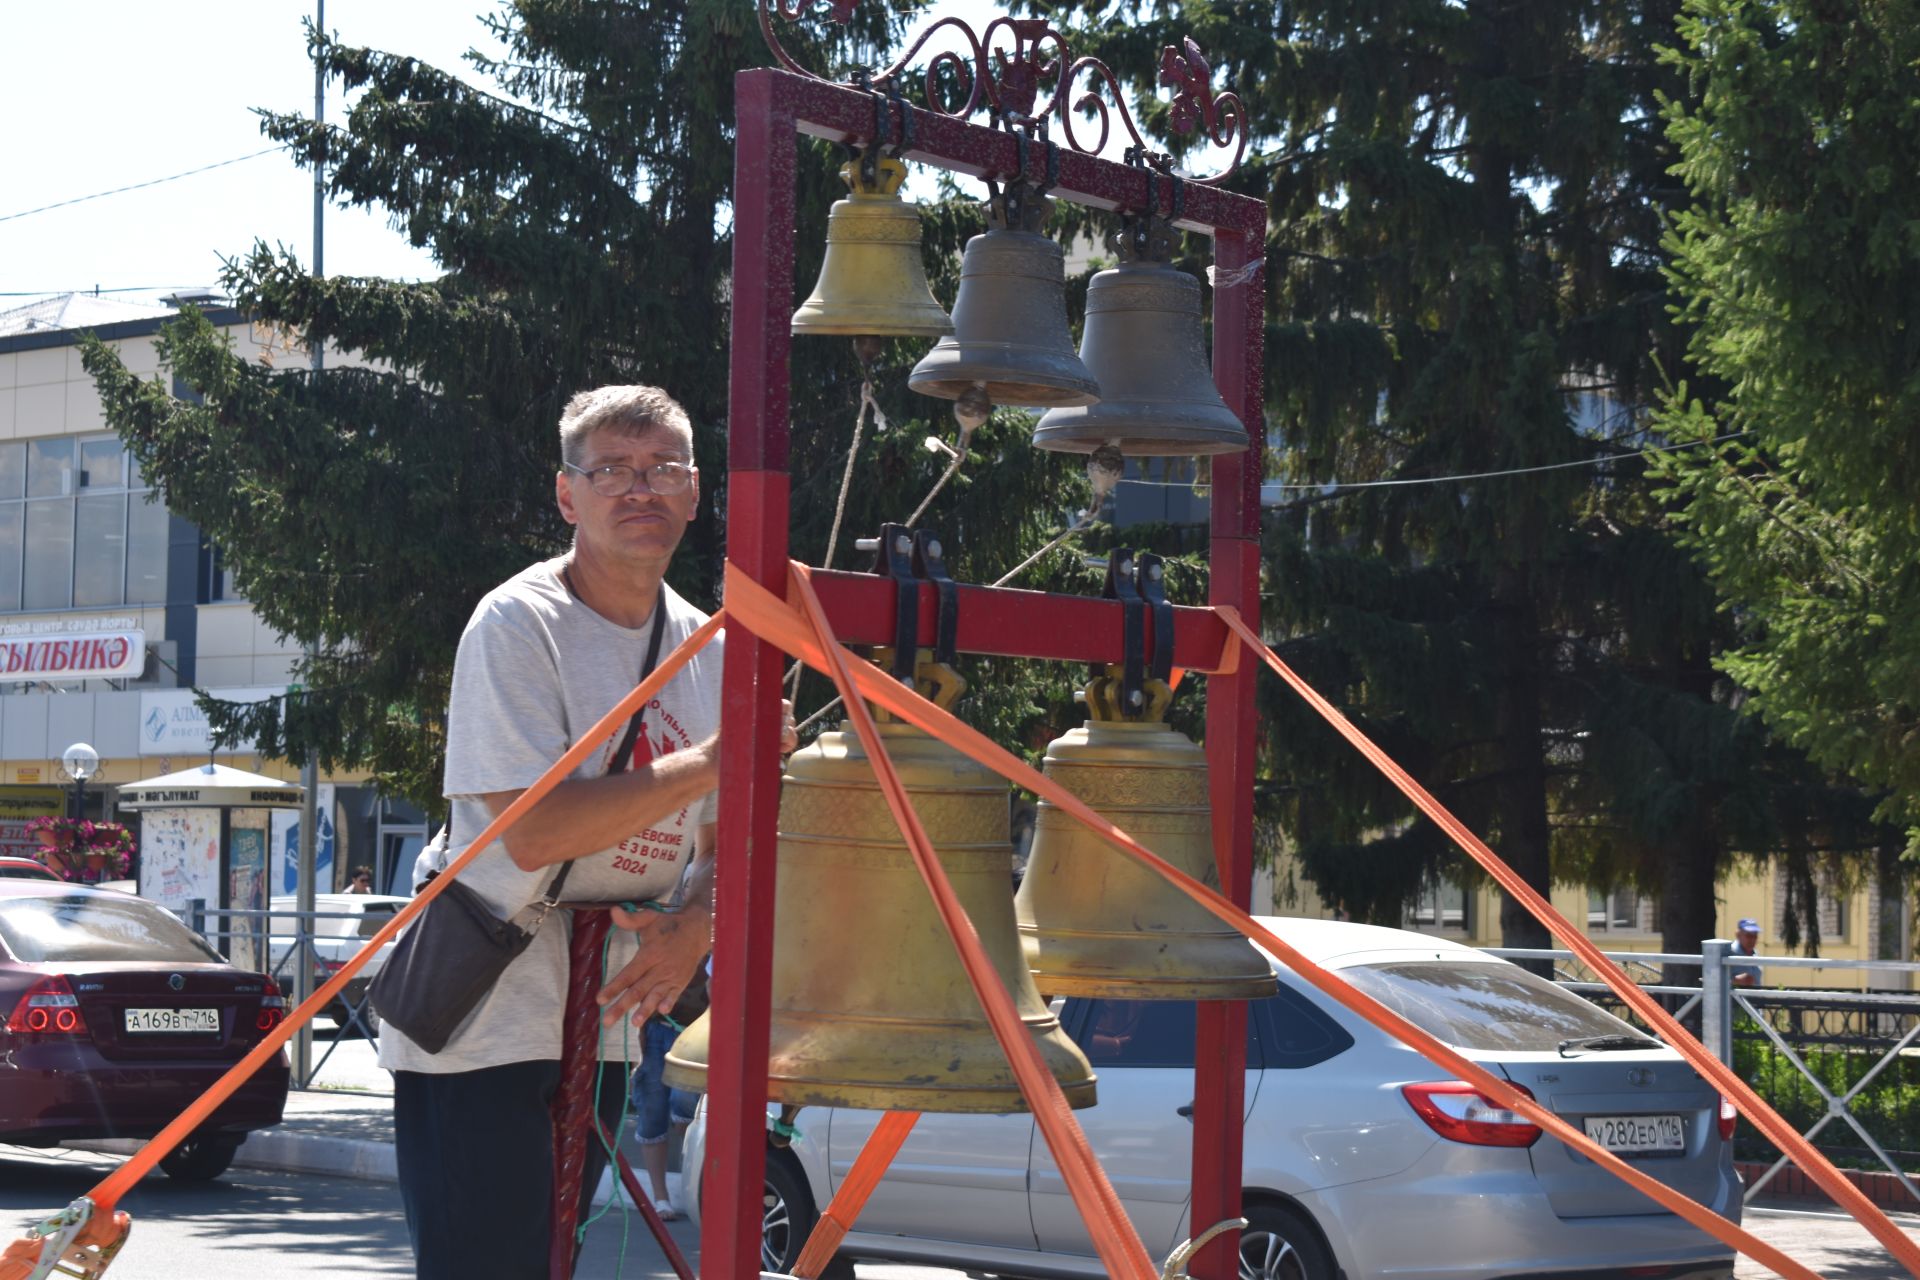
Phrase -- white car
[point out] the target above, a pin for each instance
(1361, 1159)
(343, 923)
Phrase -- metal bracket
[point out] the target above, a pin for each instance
(930, 561)
(1133, 626)
(895, 560)
(1150, 579)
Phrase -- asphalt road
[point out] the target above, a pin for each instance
(251, 1224)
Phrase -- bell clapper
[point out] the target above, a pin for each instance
(972, 409)
(866, 349)
(1105, 467)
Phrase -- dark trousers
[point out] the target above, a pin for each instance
(475, 1155)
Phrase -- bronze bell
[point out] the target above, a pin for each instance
(1093, 921)
(1010, 342)
(870, 1007)
(1143, 341)
(872, 281)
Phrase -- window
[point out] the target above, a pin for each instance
(1621, 911)
(1479, 1004)
(103, 927)
(77, 529)
(1140, 1033)
(1442, 905)
(1298, 1033)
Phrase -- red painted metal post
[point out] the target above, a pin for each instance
(1219, 1085)
(757, 487)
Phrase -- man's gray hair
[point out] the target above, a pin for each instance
(625, 410)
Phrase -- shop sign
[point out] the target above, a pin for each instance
(84, 655)
(17, 805)
(171, 722)
(29, 774)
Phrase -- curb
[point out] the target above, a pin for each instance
(1883, 1189)
(284, 1152)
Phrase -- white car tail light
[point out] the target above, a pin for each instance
(1458, 1112)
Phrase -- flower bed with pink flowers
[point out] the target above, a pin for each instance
(83, 851)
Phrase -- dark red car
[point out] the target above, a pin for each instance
(25, 869)
(117, 1017)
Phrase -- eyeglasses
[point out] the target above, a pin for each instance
(617, 480)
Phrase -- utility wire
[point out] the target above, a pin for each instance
(1330, 486)
(154, 182)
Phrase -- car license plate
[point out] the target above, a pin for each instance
(146, 1020)
(1637, 1133)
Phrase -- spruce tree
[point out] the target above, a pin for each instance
(1467, 322)
(1798, 265)
(580, 218)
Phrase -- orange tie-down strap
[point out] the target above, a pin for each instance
(787, 626)
(27, 1257)
(1114, 1238)
(883, 1144)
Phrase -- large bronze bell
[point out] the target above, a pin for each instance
(872, 281)
(1143, 341)
(870, 1005)
(1093, 921)
(1010, 339)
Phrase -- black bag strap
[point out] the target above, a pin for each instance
(624, 752)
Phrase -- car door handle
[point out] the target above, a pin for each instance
(1185, 1112)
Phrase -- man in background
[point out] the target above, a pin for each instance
(1746, 939)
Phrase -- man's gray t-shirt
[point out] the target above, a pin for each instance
(536, 667)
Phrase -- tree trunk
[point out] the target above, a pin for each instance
(1688, 904)
(1520, 796)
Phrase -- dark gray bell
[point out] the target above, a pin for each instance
(1144, 342)
(1010, 338)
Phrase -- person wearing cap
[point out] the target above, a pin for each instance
(1746, 938)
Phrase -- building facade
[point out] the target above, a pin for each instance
(113, 609)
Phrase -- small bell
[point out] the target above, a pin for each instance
(872, 281)
(1010, 342)
(1096, 923)
(1144, 342)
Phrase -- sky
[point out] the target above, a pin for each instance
(108, 93)
(112, 92)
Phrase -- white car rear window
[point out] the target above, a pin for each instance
(1476, 1005)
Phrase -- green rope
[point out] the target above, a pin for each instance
(626, 1103)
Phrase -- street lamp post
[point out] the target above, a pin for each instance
(81, 762)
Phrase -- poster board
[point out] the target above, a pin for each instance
(180, 857)
(248, 832)
(285, 869)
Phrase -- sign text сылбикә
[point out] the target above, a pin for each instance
(88, 655)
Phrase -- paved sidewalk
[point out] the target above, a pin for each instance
(350, 1134)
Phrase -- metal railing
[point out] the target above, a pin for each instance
(259, 940)
(1838, 1042)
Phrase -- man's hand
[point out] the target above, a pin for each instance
(671, 948)
(789, 735)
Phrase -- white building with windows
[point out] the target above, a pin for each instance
(113, 609)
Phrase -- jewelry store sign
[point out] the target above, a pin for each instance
(80, 655)
(172, 723)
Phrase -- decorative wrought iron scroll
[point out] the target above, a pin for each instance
(1033, 83)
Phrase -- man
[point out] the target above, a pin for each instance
(1746, 938)
(545, 656)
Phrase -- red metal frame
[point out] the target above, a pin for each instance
(773, 107)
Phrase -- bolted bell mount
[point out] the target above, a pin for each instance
(1142, 237)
